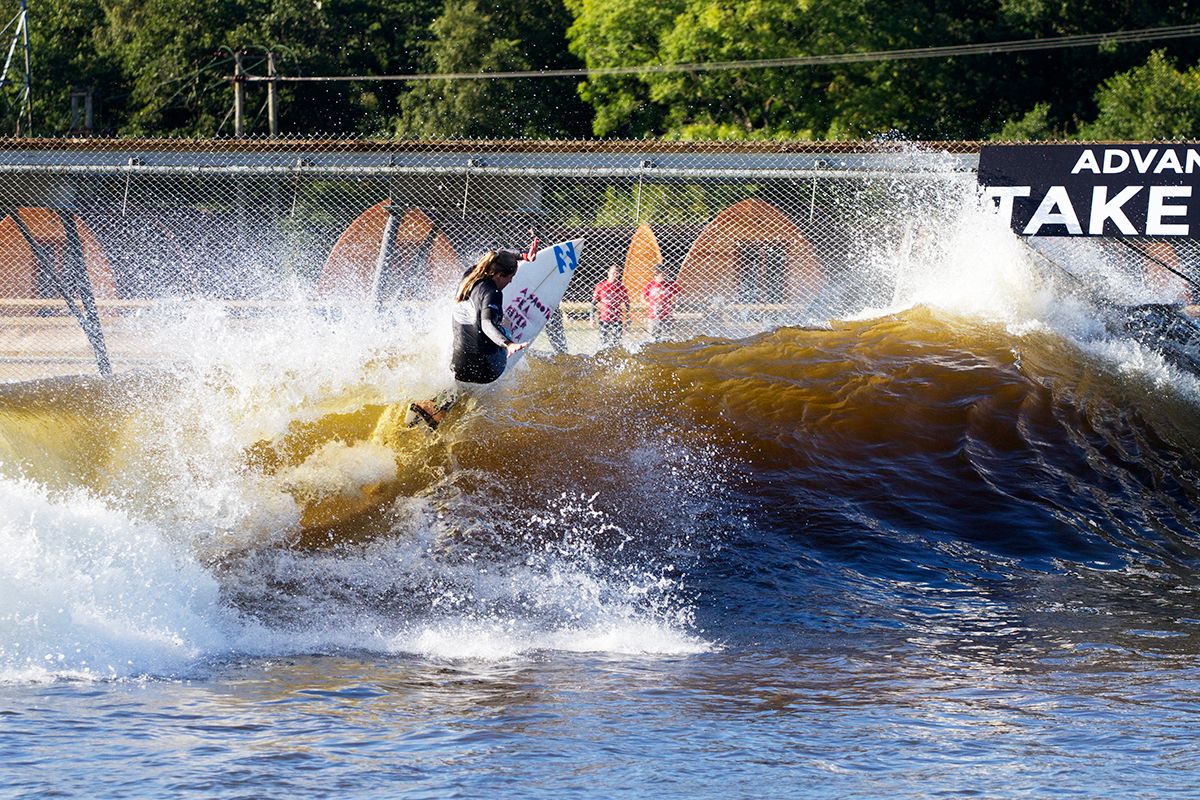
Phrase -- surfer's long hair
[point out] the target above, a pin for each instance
(495, 263)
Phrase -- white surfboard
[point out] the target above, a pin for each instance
(537, 289)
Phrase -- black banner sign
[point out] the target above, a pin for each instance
(1095, 190)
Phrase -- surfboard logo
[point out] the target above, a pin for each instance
(564, 255)
(521, 309)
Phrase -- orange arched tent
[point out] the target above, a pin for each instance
(640, 259)
(20, 268)
(751, 253)
(420, 249)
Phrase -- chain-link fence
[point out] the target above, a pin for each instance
(752, 235)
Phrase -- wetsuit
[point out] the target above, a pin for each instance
(479, 341)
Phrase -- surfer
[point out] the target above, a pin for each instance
(482, 344)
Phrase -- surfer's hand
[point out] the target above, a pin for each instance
(515, 346)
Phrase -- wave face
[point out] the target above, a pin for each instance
(842, 476)
(976, 465)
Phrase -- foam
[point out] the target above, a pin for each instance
(453, 597)
(174, 562)
(93, 592)
(337, 467)
(88, 592)
(961, 258)
(500, 640)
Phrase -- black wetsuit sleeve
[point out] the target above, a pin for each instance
(490, 317)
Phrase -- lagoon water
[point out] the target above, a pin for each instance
(945, 549)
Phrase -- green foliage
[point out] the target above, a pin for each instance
(180, 57)
(163, 66)
(962, 97)
(1152, 101)
(169, 57)
(749, 100)
(621, 33)
(62, 38)
(624, 205)
(504, 36)
(1032, 127)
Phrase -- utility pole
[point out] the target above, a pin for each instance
(272, 96)
(21, 36)
(239, 96)
(28, 75)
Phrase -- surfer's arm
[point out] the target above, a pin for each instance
(490, 322)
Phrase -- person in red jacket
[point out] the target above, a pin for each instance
(610, 308)
(660, 295)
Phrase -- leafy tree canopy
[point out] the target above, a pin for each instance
(474, 36)
(961, 97)
(162, 67)
(1152, 101)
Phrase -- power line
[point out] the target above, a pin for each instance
(1012, 46)
(210, 65)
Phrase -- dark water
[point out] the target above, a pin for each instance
(918, 556)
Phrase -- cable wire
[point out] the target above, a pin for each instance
(948, 51)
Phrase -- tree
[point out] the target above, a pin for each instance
(1033, 126)
(962, 97)
(1152, 101)
(737, 103)
(621, 33)
(505, 35)
(169, 52)
(163, 66)
(348, 37)
(62, 38)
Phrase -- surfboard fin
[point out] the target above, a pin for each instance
(416, 413)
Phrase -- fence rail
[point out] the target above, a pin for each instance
(96, 233)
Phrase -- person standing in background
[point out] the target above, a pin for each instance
(660, 295)
(610, 308)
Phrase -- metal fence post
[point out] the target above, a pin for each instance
(272, 96)
(133, 162)
(471, 162)
(239, 96)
